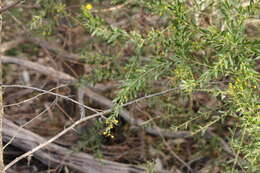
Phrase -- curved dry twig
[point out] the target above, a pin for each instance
(52, 93)
(32, 98)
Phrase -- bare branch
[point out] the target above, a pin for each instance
(49, 71)
(53, 155)
(49, 92)
(27, 100)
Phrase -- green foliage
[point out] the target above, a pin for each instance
(230, 55)
(215, 57)
(105, 67)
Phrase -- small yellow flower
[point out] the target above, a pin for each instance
(88, 6)
(112, 136)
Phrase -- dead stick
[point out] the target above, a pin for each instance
(45, 151)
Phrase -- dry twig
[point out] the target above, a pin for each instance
(49, 71)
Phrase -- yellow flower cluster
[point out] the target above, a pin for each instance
(108, 134)
(111, 123)
(233, 89)
(182, 72)
(238, 86)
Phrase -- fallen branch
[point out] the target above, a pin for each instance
(55, 155)
(49, 71)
